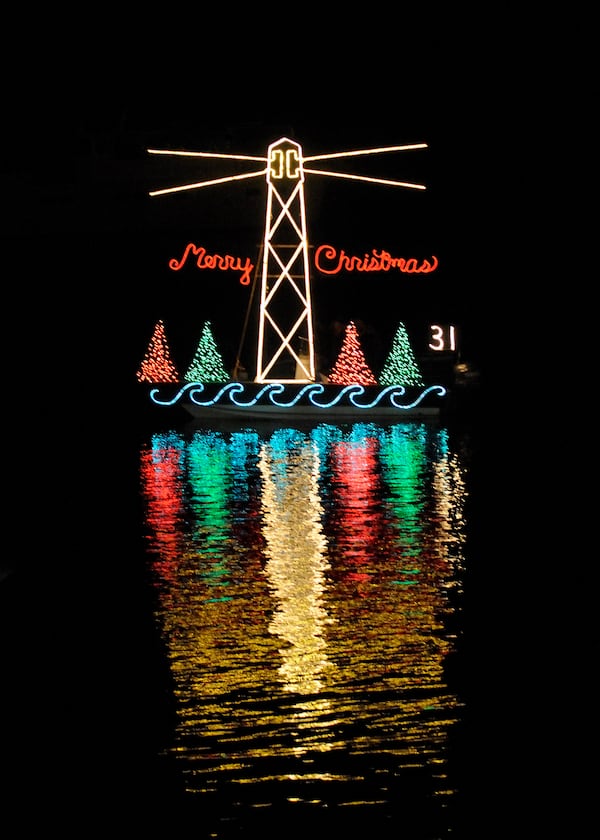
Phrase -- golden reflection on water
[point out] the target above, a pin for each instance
(296, 560)
(304, 583)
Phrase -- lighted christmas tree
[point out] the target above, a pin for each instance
(401, 367)
(207, 364)
(157, 365)
(351, 367)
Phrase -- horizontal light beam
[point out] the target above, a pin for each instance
(368, 151)
(208, 183)
(364, 178)
(203, 154)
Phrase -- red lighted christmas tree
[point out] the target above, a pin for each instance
(207, 364)
(157, 365)
(351, 367)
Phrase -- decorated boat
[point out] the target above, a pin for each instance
(287, 380)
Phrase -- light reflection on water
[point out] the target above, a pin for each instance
(308, 583)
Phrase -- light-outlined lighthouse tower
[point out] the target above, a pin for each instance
(285, 347)
(285, 329)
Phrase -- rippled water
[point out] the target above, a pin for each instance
(308, 587)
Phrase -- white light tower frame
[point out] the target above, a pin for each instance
(285, 280)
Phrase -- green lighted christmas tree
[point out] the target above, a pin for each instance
(351, 367)
(401, 367)
(157, 365)
(207, 364)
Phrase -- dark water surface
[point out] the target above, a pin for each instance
(260, 630)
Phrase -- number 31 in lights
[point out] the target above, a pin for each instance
(443, 338)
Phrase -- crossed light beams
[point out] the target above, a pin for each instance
(285, 167)
(303, 161)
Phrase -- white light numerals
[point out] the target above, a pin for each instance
(443, 338)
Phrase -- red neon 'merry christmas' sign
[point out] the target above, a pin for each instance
(328, 260)
(226, 263)
(327, 255)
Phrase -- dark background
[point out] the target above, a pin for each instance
(84, 251)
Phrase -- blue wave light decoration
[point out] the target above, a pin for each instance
(246, 396)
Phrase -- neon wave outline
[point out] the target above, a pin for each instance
(312, 390)
(441, 391)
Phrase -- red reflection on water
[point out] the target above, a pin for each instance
(162, 476)
(356, 489)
